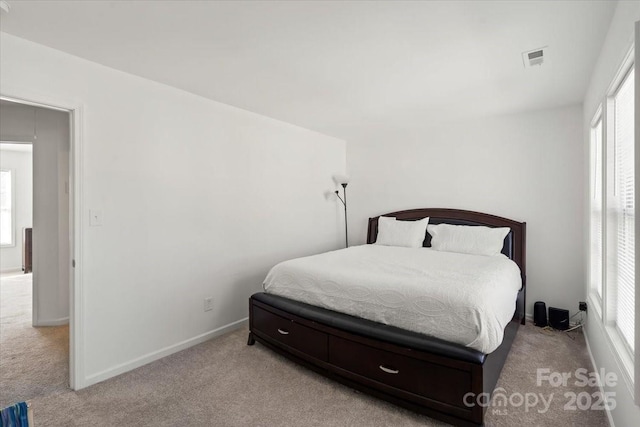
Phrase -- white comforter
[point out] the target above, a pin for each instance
(466, 299)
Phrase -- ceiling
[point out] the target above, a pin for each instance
(346, 69)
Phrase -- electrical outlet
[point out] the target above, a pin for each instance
(208, 304)
(582, 306)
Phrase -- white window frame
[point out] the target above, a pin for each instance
(636, 392)
(621, 350)
(596, 298)
(12, 172)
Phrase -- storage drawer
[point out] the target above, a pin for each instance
(437, 382)
(292, 334)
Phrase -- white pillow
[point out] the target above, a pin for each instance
(468, 239)
(410, 234)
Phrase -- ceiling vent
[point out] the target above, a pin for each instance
(535, 57)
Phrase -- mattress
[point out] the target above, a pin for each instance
(461, 298)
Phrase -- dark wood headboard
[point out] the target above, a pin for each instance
(515, 242)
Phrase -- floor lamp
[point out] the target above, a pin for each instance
(343, 180)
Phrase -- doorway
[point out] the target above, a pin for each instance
(35, 307)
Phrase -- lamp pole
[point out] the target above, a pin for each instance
(344, 202)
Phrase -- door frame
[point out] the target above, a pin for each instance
(76, 300)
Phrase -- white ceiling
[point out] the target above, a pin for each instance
(346, 69)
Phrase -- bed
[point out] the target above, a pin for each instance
(424, 373)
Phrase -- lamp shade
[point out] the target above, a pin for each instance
(341, 179)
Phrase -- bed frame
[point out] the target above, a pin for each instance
(422, 373)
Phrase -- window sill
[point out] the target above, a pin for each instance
(595, 304)
(623, 356)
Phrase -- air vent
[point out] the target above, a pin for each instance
(535, 57)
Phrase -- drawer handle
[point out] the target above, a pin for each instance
(283, 332)
(389, 371)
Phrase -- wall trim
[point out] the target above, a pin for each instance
(164, 352)
(26, 95)
(11, 270)
(76, 273)
(54, 322)
(595, 369)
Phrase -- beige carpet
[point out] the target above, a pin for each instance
(224, 382)
(34, 362)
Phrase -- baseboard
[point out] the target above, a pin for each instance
(595, 369)
(11, 270)
(151, 357)
(53, 322)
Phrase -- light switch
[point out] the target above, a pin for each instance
(95, 218)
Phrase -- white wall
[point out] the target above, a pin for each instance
(50, 204)
(51, 262)
(616, 46)
(20, 162)
(198, 199)
(527, 167)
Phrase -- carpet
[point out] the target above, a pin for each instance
(224, 382)
(34, 362)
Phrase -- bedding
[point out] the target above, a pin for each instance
(466, 239)
(410, 234)
(461, 298)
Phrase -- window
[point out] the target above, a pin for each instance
(595, 192)
(6, 207)
(621, 211)
(612, 216)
